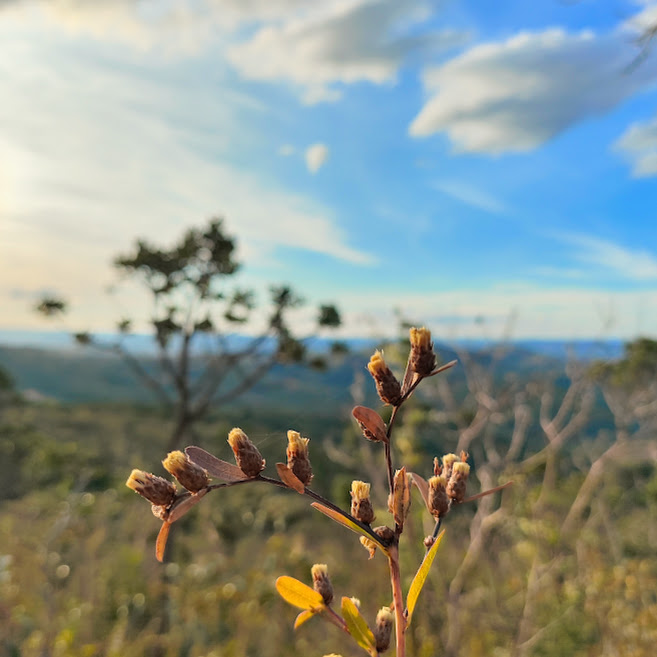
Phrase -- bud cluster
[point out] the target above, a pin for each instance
(448, 485)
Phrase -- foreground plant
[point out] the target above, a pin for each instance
(442, 491)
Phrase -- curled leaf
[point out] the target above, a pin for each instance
(182, 506)
(421, 577)
(299, 594)
(370, 422)
(214, 466)
(161, 542)
(289, 478)
(305, 615)
(357, 626)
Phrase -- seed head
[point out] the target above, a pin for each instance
(369, 545)
(383, 629)
(247, 456)
(321, 582)
(387, 386)
(156, 490)
(448, 462)
(438, 499)
(190, 476)
(361, 505)
(457, 482)
(423, 358)
(297, 457)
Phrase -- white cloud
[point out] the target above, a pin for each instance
(98, 169)
(517, 94)
(631, 264)
(471, 195)
(342, 42)
(316, 156)
(639, 143)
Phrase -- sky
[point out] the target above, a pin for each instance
(486, 169)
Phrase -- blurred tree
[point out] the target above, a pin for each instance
(201, 363)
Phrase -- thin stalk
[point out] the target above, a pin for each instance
(398, 601)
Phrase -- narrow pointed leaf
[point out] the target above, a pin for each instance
(289, 478)
(444, 367)
(349, 524)
(299, 594)
(161, 542)
(421, 577)
(215, 467)
(490, 491)
(357, 626)
(303, 617)
(422, 486)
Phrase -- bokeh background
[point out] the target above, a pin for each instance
(213, 211)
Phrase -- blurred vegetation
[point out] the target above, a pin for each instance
(561, 564)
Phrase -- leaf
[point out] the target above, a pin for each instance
(357, 626)
(289, 478)
(444, 367)
(182, 506)
(421, 577)
(422, 486)
(299, 594)
(371, 421)
(215, 467)
(161, 542)
(349, 524)
(303, 617)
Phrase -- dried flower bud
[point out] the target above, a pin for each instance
(438, 500)
(356, 602)
(190, 476)
(321, 582)
(386, 534)
(161, 512)
(437, 468)
(400, 502)
(448, 462)
(297, 457)
(369, 545)
(457, 482)
(428, 541)
(156, 490)
(383, 629)
(247, 456)
(387, 386)
(361, 506)
(422, 359)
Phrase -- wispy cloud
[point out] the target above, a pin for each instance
(627, 263)
(471, 195)
(639, 144)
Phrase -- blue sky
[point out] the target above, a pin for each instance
(454, 160)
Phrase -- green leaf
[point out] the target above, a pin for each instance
(305, 615)
(421, 577)
(358, 627)
(349, 524)
(299, 594)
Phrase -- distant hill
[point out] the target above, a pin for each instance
(86, 375)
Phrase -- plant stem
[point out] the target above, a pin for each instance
(398, 600)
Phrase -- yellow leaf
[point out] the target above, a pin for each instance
(289, 478)
(303, 617)
(349, 524)
(357, 626)
(299, 594)
(421, 577)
